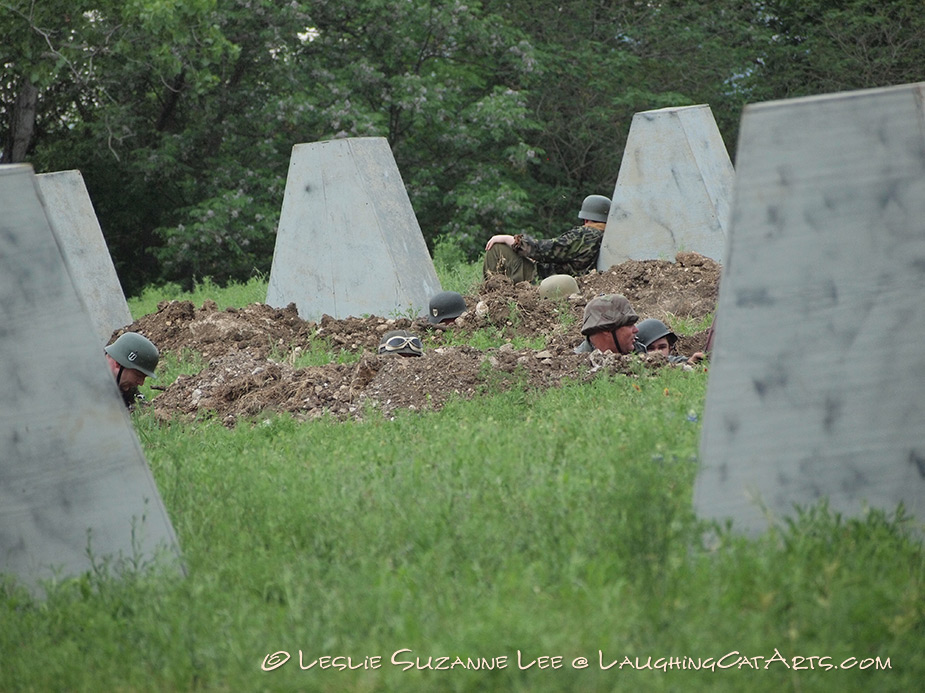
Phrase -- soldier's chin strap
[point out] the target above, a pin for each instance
(616, 342)
(119, 374)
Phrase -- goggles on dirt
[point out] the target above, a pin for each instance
(397, 343)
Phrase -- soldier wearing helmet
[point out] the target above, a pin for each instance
(656, 338)
(609, 324)
(522, 257)
(445, 307)
(131, 358)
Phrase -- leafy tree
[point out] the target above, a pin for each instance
(108, 103)
(444, 84)
(503, 114)
(824, 46)
(185, 113)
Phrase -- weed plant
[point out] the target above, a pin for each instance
(319, 353)
(491, 338)
(687, 326)
(453, 270)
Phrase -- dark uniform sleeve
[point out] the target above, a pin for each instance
(574, 252)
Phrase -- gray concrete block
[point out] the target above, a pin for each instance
(817, 375)
(72, 472)
(348, 242)
(73, 220)
(674, 190)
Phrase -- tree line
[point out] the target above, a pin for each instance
(501, 114)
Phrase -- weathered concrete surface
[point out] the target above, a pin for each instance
(674, 190)
(348, 242)
(73, 220)
(817, 381)
(72, 473)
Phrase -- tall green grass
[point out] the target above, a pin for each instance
(233, 295)
(555, 524)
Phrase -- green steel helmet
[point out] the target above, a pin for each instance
(401, 342)
(651, 330)
(447, 305)
(608, 312)
(558, 286)
(132, 350)
(595, 208)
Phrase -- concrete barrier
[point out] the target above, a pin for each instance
(817, 375)
(348, 242)
(674, 190)
(73, 478)
(73, 220)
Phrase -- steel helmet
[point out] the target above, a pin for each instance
(558, 286)
(132, 350)
(595, 208)
(608, 312)
(651, 330)
(447, 305)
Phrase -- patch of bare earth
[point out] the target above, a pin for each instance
(250, 351)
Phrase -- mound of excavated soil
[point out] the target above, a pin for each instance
(250, 351)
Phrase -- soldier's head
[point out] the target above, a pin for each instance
(594, 208)
(655, 336)
(610, 324)
(132, 358)
(558, 286)
(445, 307)
(401, 342)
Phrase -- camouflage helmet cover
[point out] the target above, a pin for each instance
(558, 286)
(607, 312)
(132, 350)
(447, 305)
(595, 208)
(651, 330)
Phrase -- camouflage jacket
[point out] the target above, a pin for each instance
(574, 252)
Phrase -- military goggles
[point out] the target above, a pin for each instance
(399, 343)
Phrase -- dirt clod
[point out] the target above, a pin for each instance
(250, 352)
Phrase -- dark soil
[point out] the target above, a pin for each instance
(250, 351)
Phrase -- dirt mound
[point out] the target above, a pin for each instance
(251, 352)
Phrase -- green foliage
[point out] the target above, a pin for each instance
(564, 312)
(453, 270)
(501, 116)
(687, 326)
(231, 236)
(823, 46)
(490, 338)
(320, 352)
(232, 295)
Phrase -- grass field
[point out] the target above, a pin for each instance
(523, 541)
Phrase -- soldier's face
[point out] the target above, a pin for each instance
(619, 340)
(131, 378)
(660, 346)
(626, 336)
